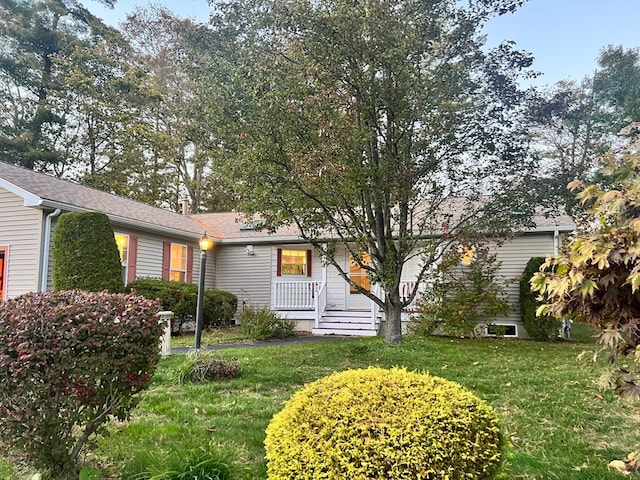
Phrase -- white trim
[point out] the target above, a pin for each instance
(498, 324)
(30, 200)
(46, 248)
(186, 260)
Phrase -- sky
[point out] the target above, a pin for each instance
(564, 36)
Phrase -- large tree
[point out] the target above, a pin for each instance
(574, 123)
(381, 126)
(177, 140)
(38, 38)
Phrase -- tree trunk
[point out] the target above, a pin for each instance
(392, 326)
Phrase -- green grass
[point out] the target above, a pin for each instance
(560, 426)
(213, 336)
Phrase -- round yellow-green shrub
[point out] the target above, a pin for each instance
(386, 424)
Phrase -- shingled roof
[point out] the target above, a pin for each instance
(47, 192)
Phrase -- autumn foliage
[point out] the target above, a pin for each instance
(69, 361)
(596, 279)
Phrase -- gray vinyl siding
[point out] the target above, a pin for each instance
(246, 276)
(21, 231)
(149, 261)
(149, 254)
(514, 256)
(336, 285)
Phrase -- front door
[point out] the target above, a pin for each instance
(357, 274)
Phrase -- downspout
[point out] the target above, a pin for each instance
(44, 273)
(556, 242)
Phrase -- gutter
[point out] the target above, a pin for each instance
(44, 272)
(173, 232)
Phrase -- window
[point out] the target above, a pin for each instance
(358, 274)
(294, 262)
(178, 263)
(467, 254)
(497, 330)
(123, 247)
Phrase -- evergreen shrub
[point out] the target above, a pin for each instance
(383, 424)
(545, 327)
(68, 362)
(260, 323)
(85, 254)
(181, 298)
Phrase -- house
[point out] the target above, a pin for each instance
(279, 269)
(152, 242)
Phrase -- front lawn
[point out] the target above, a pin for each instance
(559, 424)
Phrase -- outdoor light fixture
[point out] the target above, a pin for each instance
(205, 244)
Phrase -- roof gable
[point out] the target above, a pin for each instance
(44, 191)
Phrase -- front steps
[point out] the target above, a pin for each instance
(350, 323)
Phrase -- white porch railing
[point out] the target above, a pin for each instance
(374, 306)
(405, 292)
(320, 304)
(294, 295)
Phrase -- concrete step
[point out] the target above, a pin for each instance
(348, 332)
(347, 313)
(352, 323)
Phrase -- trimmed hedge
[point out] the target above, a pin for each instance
(85, 254)
(544, 328)
(384, 424)
(181, 298)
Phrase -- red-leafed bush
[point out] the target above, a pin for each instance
(69, 361)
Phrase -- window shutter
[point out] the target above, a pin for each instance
(166, 260)
(309, 263)
(189, 264)
(133, 258)
(279, 263)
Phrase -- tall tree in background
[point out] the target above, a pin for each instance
(380, 126)
(36, 37)
(574, 123)
(617, 83)
(179, 147)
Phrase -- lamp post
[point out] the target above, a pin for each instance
(205, 244)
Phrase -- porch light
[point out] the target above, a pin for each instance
(205, 244)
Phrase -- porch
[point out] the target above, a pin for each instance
(307, 300)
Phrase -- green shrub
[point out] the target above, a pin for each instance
(181, 298)
(69, 361)
(263, 324)
(383, 424)
(201, 366)
(464, 297)
(85, 254)
(545, 327)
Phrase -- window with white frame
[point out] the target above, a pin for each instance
(502, 330)
(123, 247)
(178, 263)
(294, 262)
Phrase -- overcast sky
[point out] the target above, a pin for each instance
(564, 36)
